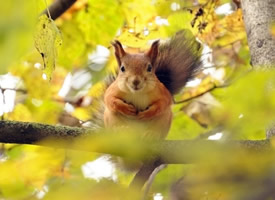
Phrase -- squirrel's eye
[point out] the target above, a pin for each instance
(149, 69)
(122, 68)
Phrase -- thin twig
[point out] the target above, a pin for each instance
(200, 94)
(143, 174)
(151, 179)
(14, 89)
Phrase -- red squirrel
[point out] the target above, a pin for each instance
(142, 91)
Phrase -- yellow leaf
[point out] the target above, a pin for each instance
(224, 31)
(97, 90)
(272, 29)
(82, 113)
(138, 13)
(99, 22)
(47, 39)
(21, 112)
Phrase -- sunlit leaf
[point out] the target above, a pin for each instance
(138, 13)
(41, 110)
(36, 165)
(99, 22)
(179, 21)
(74, 50)
(47, 40)
(21, 112)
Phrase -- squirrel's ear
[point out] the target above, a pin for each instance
(153, 51)
(119, 51)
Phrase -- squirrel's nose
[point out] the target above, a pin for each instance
(136, 82)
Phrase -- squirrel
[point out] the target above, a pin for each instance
(142, 93)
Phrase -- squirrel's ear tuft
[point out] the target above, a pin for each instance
(119, 51)
(153, 51)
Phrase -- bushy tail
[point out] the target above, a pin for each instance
(178, 61)
(96, 122)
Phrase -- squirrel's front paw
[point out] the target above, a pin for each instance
(127, 109)
(149, 113)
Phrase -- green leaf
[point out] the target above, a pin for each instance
(43, 109)
(178, 21)
(99, 22)
(47, 39)
(74, 49)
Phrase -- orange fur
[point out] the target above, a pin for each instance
(156, 119)
(137, 97)
(142, 92)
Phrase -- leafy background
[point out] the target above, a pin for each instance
(64, 87)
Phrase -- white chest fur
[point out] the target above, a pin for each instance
(140, 101)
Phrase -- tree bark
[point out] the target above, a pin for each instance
(258, 17)
(167, 151)
(30, 133)
(152, 153)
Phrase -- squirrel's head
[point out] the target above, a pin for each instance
(136, 71)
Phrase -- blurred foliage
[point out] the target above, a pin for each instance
(225, 94)
(16, 19)
(272, 29)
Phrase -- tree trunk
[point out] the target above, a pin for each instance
(258, 17)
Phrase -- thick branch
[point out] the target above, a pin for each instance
(29, 133)
(159, 151)
(168, 151)
(58, 7)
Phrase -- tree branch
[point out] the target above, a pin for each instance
(30, 133)
(152, 153)
(168, 151)
(58, 7)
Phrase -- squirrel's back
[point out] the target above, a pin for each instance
(177, 62)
